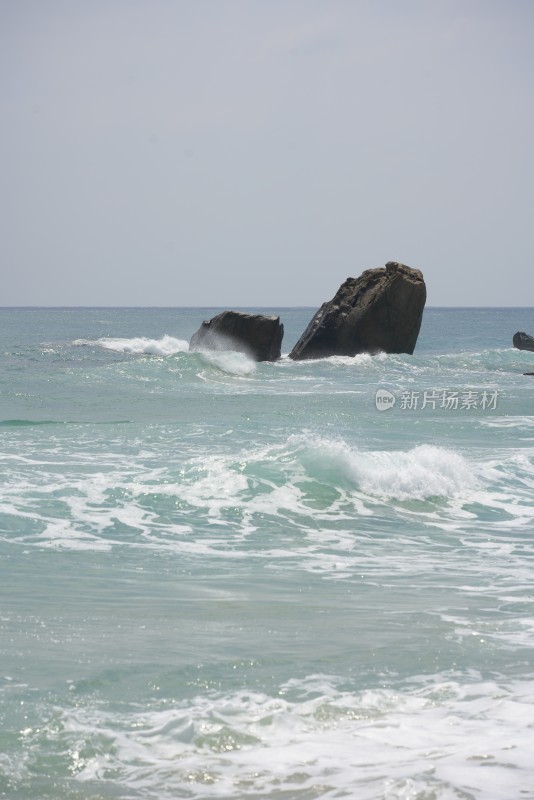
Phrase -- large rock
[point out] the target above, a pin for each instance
(523, 341)
(257, 335)
(381, 311)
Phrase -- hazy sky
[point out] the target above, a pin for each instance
(258, 152)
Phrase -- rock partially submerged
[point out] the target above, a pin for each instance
(257, 335)
(381, 311)
(523, 341)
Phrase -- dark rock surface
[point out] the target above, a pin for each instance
(381, 311)
(523, 341)
(257, 335)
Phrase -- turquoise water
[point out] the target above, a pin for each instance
(223, 579)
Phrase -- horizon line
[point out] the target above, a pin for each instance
(237, 308)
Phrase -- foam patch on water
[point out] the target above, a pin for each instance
(509, 422)
(365, 360)
(360, 360)
(139, 345)
(439, 738)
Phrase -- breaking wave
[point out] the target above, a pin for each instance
(138, 345)
(229, 361)
(312, 491)
(425, 471)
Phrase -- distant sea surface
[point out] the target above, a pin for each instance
(222, 579)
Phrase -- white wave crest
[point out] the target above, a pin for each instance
(426, 471)
(138, 345)
(423, 472)
(230, 361)
(360, 359)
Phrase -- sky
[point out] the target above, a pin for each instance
(258, 152)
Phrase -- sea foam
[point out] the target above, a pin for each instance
(229, 361)
(439, 739)
(138, 345)
(424, 471)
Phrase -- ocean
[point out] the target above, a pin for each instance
(222, 579)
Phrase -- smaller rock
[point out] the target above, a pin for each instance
(523, 341)
(257, 335)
